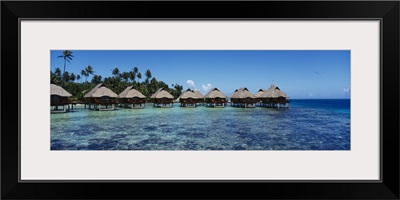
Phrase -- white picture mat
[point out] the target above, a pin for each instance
(38, 162)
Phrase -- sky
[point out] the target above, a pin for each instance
(302, 74)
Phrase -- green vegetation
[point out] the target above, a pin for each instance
(117, 81)
(67, 56)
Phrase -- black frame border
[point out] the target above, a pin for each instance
(386, 11)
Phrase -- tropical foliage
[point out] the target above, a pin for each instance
(67, 56)
(117, 82)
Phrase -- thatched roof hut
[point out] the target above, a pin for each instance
(272, 97)
(58, 97)
(59, 91)
(242, 93)
(190, 97)
(215, 98)
(101, 98)
(162, 98)
(131, 92)
(100, 91)
(130, 96)
(242, 97)
(274, 92)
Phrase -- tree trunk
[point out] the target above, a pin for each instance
(63, 82)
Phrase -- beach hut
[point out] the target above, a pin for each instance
(101, 98)
(58, 97)
(274, 97)
(162, 98)
(132, 97)
(215, 98)
(200, 97)
(242, 97)
(258, 96)
(190, 98)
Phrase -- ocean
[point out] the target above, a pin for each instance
(322, 124)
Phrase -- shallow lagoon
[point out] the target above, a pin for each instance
(306, 125)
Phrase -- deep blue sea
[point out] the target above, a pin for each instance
(306, 125)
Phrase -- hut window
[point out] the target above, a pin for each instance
(104, 98)
(54, 97)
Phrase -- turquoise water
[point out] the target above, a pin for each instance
(306, 125)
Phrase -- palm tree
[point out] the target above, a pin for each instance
(96, 79)
(133, 73)
(154, 84)
(125, 76)
(66, 76)
(67, 55)
(89, 70)
(132, 76)
(115, 71)
(57, 72)
(84, 73)
(78, 77)
(139, 76)
(55, 78)
(148, 75)
(72, 77)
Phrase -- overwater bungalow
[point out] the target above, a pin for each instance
(215, 98)
(200, 97)
(101, 98)
(190, 99)
(161, 98)
(273, 97)
(258, 96)
(242, 97)
(132, 97)
(58, 97)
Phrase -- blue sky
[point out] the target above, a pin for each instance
(299, 73)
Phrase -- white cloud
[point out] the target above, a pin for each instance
(206, 88)
(190, 83)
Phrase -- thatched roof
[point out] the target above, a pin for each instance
(214, 93)
(191, 94)
(57, 90)
(125, 92)
(260, 93)
(274, 92)
(198, 94)
(188, 94)
(242, 93)
(131, 92)
(161, 93)
(99, 91)
(90, 93)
